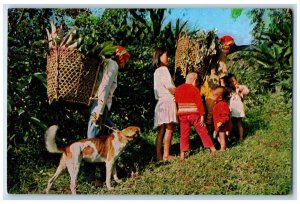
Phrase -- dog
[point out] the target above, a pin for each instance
(101, 149)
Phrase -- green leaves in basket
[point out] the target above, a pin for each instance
(108, 49)
(104, 50)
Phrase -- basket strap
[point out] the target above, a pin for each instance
(95, 82)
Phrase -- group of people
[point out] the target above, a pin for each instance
(184, 103)
(181, 103)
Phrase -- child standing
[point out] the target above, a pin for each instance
(210, 103)
(165, 110)
(236, 103)
(191, 111)
(221, 116)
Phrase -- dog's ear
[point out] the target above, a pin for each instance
(131, 131)
(138, 131)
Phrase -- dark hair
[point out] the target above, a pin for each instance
(231, 75)
(158, 52)
(226, 80)
(225, 93)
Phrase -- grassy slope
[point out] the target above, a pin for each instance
(260, 165)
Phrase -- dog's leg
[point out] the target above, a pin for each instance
(60, 168)
(114, 173)
(73, 166)
(109, 166)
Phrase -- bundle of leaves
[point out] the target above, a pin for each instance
(75, 38)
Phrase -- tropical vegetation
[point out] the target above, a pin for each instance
(261, 165)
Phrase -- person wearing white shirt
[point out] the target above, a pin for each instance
(102, 101)
(107, 84)
(165, 110)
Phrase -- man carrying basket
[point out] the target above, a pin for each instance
(101, 103)
(107, 83)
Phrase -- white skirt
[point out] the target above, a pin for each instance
(236, 108)
(165, 112)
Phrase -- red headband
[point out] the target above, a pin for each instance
(121, 53)
(227, 41)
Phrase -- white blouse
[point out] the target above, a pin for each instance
(108, 77)
(164, 87)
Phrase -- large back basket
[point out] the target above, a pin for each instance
(71, 76)
(195, 53)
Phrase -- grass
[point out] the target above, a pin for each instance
(260, 165)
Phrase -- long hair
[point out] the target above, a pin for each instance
(158, 52)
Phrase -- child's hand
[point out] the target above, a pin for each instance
(215, 134)
(219, 124)
(202, 120)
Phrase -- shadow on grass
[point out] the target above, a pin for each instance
(135, 158)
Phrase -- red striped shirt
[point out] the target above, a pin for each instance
(188, 99)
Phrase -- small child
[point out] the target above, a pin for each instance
(236, 103)
(209, 105)
(221, 116)
(191, 112)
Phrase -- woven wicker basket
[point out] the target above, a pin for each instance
(192, 56)
(182, 53)
(71, 77)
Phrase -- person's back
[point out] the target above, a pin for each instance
(189, 100)
(184, 91)
(191, 112)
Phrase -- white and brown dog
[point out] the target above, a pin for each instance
(101, 149)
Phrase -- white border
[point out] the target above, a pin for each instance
(136, 3)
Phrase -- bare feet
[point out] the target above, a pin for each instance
(159, 158)
(215, 152)
(182, 156)
(167, 158)
(97, 183)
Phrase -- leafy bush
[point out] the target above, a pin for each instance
(268, 64)
(29, 166)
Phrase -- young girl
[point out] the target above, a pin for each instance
(165, 110)
(221, 116)
(236, 103)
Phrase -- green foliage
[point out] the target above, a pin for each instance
(236, 12)
(29, 166)
(267, 65)
(134, 98)
(28, 110)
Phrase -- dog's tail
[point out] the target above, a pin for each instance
(50, 140)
